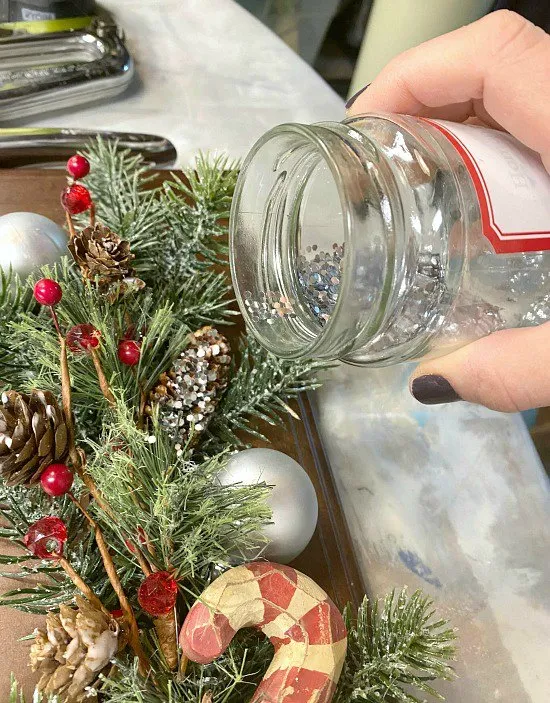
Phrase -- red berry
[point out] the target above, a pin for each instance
(46, 538)
(78, 166)
(82, 337)
(76, 199)
(158, 593)
(117, 613)
(57, 479)
(47, 291)
(129, 352)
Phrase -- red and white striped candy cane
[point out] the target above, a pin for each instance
(303, 624)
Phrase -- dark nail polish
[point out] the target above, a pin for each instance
(354, 97)
(433, 389)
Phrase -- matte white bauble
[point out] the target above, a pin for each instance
(29, 241)
(292, 500)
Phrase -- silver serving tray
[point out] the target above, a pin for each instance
(55, 71)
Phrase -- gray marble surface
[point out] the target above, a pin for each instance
(453, 500)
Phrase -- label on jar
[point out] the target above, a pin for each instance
(512, 186)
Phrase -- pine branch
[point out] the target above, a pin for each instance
(259, 390)
(231, 679)
(126, 201)
(189, 520)
(200, 299)
(395, 650)
(15, 300)
(196, 218)
(49, 586)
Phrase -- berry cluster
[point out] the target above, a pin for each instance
(76, 198)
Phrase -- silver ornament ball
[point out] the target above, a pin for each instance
(292, 499)
(29, 241)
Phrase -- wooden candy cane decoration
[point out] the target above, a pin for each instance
(303, 624)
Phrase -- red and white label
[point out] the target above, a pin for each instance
(512, 186)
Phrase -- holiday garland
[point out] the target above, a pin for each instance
(121, 402)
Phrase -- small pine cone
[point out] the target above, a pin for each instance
(102, 255)
(33, 435)
(76, 646)
(188, 394)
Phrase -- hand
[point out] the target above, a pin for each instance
(495, 72)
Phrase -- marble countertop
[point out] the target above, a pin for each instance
(452, 500)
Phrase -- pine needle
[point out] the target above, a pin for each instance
(394, 651)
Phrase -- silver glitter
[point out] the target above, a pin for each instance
(319, 278)
(538, 313)
(188, 394)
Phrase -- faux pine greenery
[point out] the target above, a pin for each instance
(163, 505)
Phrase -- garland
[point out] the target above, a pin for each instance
(100, 357)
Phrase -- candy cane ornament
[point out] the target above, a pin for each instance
(303, 624)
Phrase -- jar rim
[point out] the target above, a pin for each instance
(311, 339)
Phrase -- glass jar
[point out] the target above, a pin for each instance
(372, 240)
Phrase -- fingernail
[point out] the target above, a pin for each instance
(433, 389)
(354, 97)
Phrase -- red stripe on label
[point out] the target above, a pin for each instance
(503, 242)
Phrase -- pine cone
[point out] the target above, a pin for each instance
(188, 394)
(33, 435)
(76, 646)
(102, 255)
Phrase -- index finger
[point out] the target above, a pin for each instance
(498, 66)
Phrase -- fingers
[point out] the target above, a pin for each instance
(506, 371)
(497, 69)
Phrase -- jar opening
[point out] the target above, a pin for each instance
(292, 247)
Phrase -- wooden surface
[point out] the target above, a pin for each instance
(328, 559)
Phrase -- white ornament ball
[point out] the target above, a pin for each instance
(292, 500)
(29, 241)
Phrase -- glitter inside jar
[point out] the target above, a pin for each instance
(365, 241)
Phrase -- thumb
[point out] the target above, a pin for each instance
(507, 371)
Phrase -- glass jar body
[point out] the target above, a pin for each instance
(364, 241)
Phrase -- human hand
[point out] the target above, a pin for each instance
(496, 72)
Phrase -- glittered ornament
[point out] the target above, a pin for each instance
(81, 338)
(158, 593)
(292, 500)
(46, 538)
(29, 241)
(56, 479)
(129, 352)
(47, 292)
(76, 199)
(187, 394)
(78, 166)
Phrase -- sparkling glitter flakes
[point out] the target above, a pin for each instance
(189, 392)
(319, 274)
(268, 307)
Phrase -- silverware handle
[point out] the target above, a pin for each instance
(50, 146)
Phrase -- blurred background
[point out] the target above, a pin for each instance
(349, 41)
